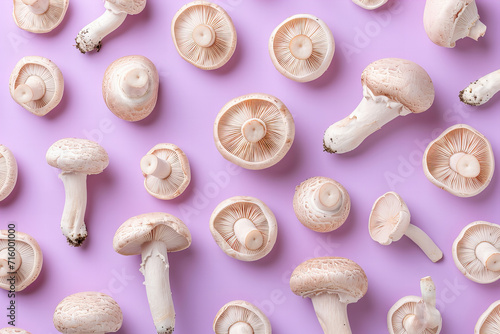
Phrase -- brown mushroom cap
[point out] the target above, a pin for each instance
(40, 23)
(404, 307)
(129, 108)
(8, 172)
(402, 81)
(13, 330)
(77, 156)
(204, 34)
(88, 312)
(131, 7)
(333, 275)
(31, 260)
(459, 139)
(261, 114)
(488, 322)
(370, 4)
(51, 76)
(240, 311)
(386, 224)
(156, 226)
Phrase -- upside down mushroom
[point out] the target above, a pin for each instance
(370, 4)
(489, 321)
(241, 317)
(39, 16)
(8, 172)
(13, 330)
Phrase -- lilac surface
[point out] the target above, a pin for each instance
(203, 278)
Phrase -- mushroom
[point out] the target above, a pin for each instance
(302, 47)
(390, 220)
(482, 90)
(254, 131)
(370, 4)
(460, 161)
(36, 84)
(153, 235)
(476, 252)
(416, 315)
(39, 16)
(321, 204)
(88, 312)
(8, 172)
(76, 158)
(204, 35)
(489, 322)
(130, 87)
(166, 171)
(13, 330)
(90, 37)
(23, 260)
(241, 317)
(446, 21)
(392, 87)
(244, 228)
(331, 283)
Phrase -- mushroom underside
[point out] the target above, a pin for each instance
(385, 218)
(30, 21)
(492, 322)
(234, 314)
(26, 270)
(399, 315)
(174, 181)
(42, 72)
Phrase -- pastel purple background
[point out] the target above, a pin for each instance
(203, 278)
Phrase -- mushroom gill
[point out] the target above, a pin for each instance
(26, 268)
(385, 218)
(40, 23)
(492, 322)
(176, 178)
(236, 314)
(399, 316)
(3, 170)
(40, 71)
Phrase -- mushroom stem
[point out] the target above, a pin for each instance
(477, 30)
(331, 313)
(489, 256)
(240, 328)
(9, 263)
(301, 47)
(155, 268)
(152, 165)
(432, 315)
(328, 197)
(72, 222)
(424, 242)
(482, 90)
(204, 35)
(369, 116)
(135, 83)
(37, 7)
(247, 234)
(32, 90)
(466, 165)
(254, 130)
(412, 325)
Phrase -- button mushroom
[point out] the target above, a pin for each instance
(90, 37)
(13, 330)
(392, 87)
(130, 87)
(76, 158)
(482, 90)
(241, 317)
(489, 321)
(302, 47)
(460, 161)
(244, 228)
(26, 264)
(204, 35)
(36, 84)
(166, 171)
(8, 172)
(39, 16)
(476, 252)
(88, 312)
(370, 4)
(254, 131)
(446, 21)
(153, 235)
(331, 283)
(416, 315)
(321, 204)
(390, 220)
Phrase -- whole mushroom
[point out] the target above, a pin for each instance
(241, 317)
(482, 90)
(13, 330)
(392, 87)
(8, 172)
(76, 158)
(488, 322)
(39, 16)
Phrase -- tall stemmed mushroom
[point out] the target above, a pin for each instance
(392, 87)
(152, 236)
(39, 16)
(76, 158)
(241, 317)
(482, 90)
(90, 37)
(8, 172)
(390, 220)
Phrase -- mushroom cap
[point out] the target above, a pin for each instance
(489, 321)
(315, 55)
(241, 311)
(13, 330)
(125, 107)
(313, 217)
(332, 275)
(131, 7)
(459, 138)
(464, 251)
(31, 260)
(402, 81)
(386, 223)
(8, 172)
(228, 212)
(397, 313)
(268, 151)
(178, 180)
(40, 23)
(370, 4)
(213, 16)
(51, 76)
(156, 226)
(88, 312)
(76, 155)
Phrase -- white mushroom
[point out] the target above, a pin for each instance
(8, 172)
(39, 16)
(482, 90)
(370, 4)
(241, 317)
(489, 322)
(13, 330)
